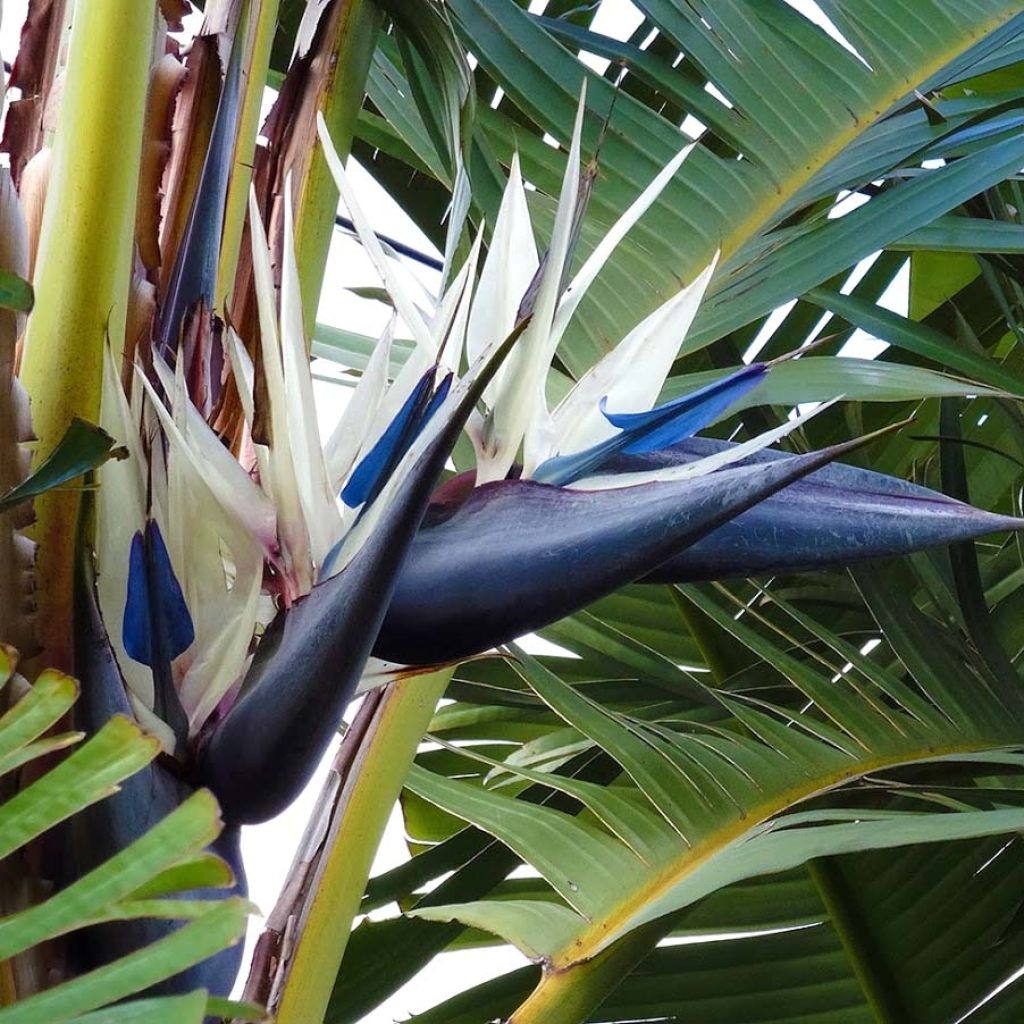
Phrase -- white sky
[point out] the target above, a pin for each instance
(268, 848)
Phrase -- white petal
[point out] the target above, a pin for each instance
(403, 303)
(224, 611)
(291, 524)
(245, 381)
(319, 507)
(597, 259)
(508, 270)
(120, 508)
(631, 375)
(453, 310)
(519, 396)
(232, 486)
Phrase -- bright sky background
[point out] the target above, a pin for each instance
(268, 848)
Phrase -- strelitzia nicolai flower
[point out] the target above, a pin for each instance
(241, 600)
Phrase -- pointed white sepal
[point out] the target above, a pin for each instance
(291, 523)
(319, 508)
(597, 259)
(630, 376)
(519, 395)
(407, 309)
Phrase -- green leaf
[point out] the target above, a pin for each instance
(15, 293)
(188, 1009)
(917, 338)
(222, 926)
(161, 862)
(353, 350)
(43, 706)
(118, 750)
(205, 871)
(821, 378)
(83, 447)
(964, 234)
(189, 827)
(232, 1009)
(715, 788)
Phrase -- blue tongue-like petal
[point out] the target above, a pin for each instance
(157, 625)
(135, 624)
(651, 431)
(379, 462)
(682, 418)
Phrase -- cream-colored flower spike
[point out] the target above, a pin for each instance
(516, 416)
(519, 393)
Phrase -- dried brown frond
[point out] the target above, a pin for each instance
(34, 72)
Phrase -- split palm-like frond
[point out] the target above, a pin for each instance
(149, 878)
(778, 222)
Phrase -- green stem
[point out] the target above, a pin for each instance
(570, 996)
(84, 262)
(720, 655)
(340, 102)
(371, 787)
(263, 17)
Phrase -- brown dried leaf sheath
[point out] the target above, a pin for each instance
(17, 552)
(33, 73)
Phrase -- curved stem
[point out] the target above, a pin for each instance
(568, 996)
(880, 990)
(346, 835)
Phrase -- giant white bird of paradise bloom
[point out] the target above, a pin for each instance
(233, 603)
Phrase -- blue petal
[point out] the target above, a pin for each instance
(177, 632)
(154, 597)
(674, 421)
(375, 467)
(650, 431)
(135, 625)
(436, 402)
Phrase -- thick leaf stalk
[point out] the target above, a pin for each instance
(84, 262)
(263, 18)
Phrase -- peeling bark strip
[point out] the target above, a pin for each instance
(34, 71)
(190, 135)
(173, 11)
(166, 79)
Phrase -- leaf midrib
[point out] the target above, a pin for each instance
(762, 216)
(611, 926)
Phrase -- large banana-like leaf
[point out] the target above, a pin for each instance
(654, 844)
(807, 116)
